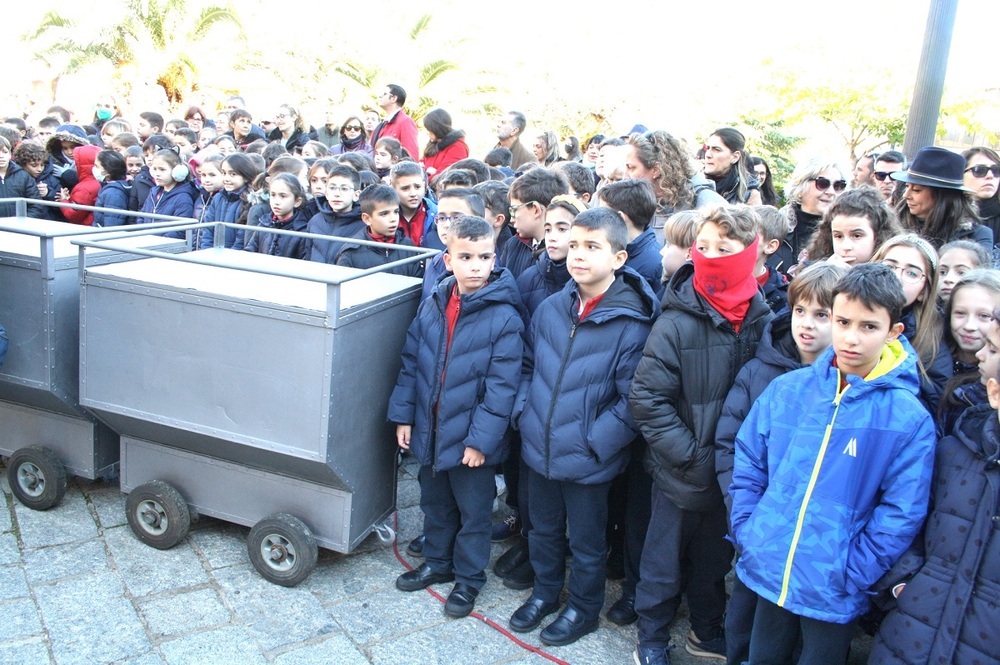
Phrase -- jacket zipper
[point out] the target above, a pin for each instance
(443, 364)
(552, 402)
(813, 478)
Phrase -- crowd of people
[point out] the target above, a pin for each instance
(673, 367)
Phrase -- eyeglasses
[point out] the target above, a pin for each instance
(196, 118)
(445, 221)
(907, 274)
(980, 170)
(280, 116)
(513, 209)
(352, 128)
(882, 175)
(343, 189)
(823, 184)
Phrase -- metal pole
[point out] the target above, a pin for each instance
(921, 124)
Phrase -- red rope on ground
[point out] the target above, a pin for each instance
(476, 615)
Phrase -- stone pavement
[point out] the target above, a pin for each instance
(77, 587)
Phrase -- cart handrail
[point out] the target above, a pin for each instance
(21, 211)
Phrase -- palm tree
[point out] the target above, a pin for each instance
(154, 40)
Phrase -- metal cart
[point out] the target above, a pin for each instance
(250, 388)
(46, 433)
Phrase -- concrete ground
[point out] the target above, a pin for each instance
(77, 587)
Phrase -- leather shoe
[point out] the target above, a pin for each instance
(421, 578)
(623, 611)
(570, 626)
(461, 600)
(512, 558)
(528, 616)
(416, 546)
(521, 578)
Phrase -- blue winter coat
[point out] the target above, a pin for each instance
(115, 195)
(516, 255)
(573, 403)
(541, 280)
(178, 202)
(18, 183)
(142, 185)
(433, 273)
(644, 258)
(775, 290)
(363, 257)
(463, 396)
(330, 223)
(949, 610)
(277, 244)
(51, 180)
(830, 486)
(223, 207)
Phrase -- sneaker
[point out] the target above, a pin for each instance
(650, 656)
(713, 648)
(510, 527)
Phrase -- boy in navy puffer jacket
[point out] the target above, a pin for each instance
(452, 405)
(831, 477)
(585, 343)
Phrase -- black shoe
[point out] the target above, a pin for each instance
(421, 578)
(570, 626)
(512, 558)
(623, 611)
(521, 578)
(510, 527)
(461, 600)
(528, 616)
(416, 546)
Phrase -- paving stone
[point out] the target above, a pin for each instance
(342, 577)
(410, 524)
(12, 583)
(147, 570)
(51, 563)
(20, 621)
(172, 614)
(221, 543)
(374, 617)
(407, 493)
(232, 644)
(455, 641)
(148, 658)
(89, 620)
(68, 522)
(32, 650)
(337, 650)
(6, 524)
(9, 550)
(109, 503)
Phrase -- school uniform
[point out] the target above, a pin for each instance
(223, 207)
(277, 244)
(142, 185)
(114, 195)
(518, 253)
(644, 258)
(178, 202)
(364, 257)
(775, 288)
(51, 180)
(330, 223)
(19, 183)
(421, 229)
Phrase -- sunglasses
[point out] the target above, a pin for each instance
(823, 184)
(882, 175)
(980, 170)
(352, 128)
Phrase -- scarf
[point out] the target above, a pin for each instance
(353, 145)
(727, 185)
(727, 282)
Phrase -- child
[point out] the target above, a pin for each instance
(453, 204)
(16, 182)
(241, 129)
(957, 258)
(84, 192)
(32, 157)
(143, 184)
(713, 317)
(173, 194)
(585, 342)
(314, 150)
(286, 211)
(452, 405)
(530, 196)
(792, 340)
(679, 233)
(773, 229)
(856, 224)
(388, 152)
(186, 140)
(109, 170)
(380, 213)
(635, 202)
(416, 213)
(947, 611)
(134, 161)
(831, 477)
(494, 195)
(549, 274)
(339, 214)
(210, 178)
(232, 203)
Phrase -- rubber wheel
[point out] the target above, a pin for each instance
(282, 549)
(37, 477)
(158, 514)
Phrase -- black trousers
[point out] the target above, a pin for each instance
(776, 632)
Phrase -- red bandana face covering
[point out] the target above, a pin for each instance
(727, 282)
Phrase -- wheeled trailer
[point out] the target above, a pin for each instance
(250, 388)
(45, 432)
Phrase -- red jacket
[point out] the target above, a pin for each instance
(85, 191)
(456, 151)
(402, 128)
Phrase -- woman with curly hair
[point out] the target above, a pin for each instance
(853, 228)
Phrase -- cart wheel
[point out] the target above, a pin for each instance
(282, 549)
(37, 477)
(386, 534)
(157, 514)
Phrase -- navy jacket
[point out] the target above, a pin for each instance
(516, 255)
(276, 244)
(644, 258)
(223, 207)
(541, 280)
(775, 290)
(330, 223)
(477, 377)
(178, 202)
(142, 185)
(940, 371)
(51, 180)
(573, 402)
(434, 272)
(366, 256)
(115, 195)
(18, 183)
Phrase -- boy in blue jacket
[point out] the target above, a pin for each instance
(584, 344)
(452, 405)
(635, 201)
(831, 477)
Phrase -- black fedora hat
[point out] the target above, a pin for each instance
(935, 167)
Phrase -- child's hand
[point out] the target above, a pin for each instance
(838, 260)
(473, 458)
(403, 436)
(43, 189)
(63, 195)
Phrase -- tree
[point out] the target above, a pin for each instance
(769, 140)
(152, 40)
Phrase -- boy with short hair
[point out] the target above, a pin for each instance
(831, 476)
(417, 213)
(584, 344)
(581, 180)
(679, 233)
(494, 194)
(150, 123)
(15, 182)
(773, 229)
(380, 213)
(339, 214)
(34, 159)
(635, 201)
(529, 196)
(713, 317)
(452, 204)
(452, 405)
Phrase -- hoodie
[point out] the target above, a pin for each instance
(86, 189)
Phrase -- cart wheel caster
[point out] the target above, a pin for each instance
(37, 477)
(385, 533)
(158, 514)
(282, 549)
